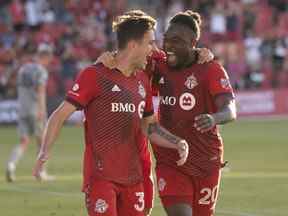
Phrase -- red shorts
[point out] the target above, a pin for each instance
(200, 193)
(105, 198)
(148, 182)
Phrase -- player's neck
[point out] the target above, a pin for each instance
(191, 60)
(123, 63)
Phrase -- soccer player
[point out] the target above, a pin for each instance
(31, 86)
(194, 100)
(117, 105)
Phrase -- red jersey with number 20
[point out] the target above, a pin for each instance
(184, 94)
(113, 106)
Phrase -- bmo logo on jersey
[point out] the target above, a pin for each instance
(128, 107)
(187, 101)
(168, 100)
(123, 107)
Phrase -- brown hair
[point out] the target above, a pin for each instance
(132, 26)
(190, 19)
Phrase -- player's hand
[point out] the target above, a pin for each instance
(147, 211)
(183, 151)
(41, 159)
(204, 122)
(107, 58)
(204, 55)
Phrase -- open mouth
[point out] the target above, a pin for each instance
(171, 57)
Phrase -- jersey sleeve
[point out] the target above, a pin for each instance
(218, 80)
(85, 88)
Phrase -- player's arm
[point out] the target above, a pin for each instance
(51, 131)
(226, 112)
(162, 137)
(226, 107)
(222, 96)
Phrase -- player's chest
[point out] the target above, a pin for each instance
(181, 90)
(122, 95)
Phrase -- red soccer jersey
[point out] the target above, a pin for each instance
(113, 106)
(183, 95)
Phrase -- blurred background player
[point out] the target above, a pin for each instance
(31, 86)
(118, 106)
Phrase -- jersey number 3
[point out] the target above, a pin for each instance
(141, 203)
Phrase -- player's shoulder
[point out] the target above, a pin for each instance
(93, 70)
(27, 66)
(213, 66)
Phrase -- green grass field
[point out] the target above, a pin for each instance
(256, 185)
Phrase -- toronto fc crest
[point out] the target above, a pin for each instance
(141, 90)
(101, 206)
(191, 82)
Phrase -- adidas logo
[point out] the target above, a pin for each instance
(161, 81)
(116, 88)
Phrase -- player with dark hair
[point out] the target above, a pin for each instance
(117, 105)
(194, 100)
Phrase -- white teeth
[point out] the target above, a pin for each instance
(170, 53)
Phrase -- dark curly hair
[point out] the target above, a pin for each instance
(190, 19)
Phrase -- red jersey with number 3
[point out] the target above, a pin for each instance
(113, 106)
(183, 95)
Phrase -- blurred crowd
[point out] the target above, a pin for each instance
(250, 37)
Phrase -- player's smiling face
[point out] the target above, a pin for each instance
(178, 44)
(143, 49)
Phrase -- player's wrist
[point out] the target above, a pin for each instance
(215, 119)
